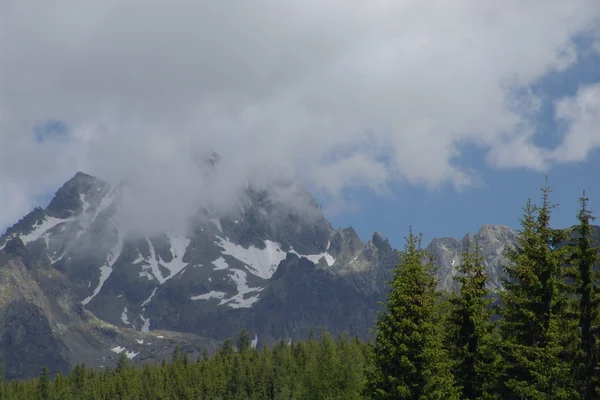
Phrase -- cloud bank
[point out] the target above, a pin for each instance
(340, 94)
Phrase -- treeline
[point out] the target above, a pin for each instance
(537, 338)
(310, 369)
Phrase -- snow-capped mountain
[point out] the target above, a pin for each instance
(279, 271)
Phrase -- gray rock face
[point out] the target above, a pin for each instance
(42, 323)
(277, 270)
(493, 240)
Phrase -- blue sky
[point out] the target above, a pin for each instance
(448, 212)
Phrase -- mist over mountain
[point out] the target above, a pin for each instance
(267, 261)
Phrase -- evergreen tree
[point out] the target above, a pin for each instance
(244, 341)
(585, 258)
(409, 358)
(472, 341)
(534, 307)
(44, 384)
(122, 363)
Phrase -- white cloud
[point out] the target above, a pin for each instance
(582, 116)
(146, 85)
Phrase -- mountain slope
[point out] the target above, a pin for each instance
(276, 269)
(42, 323)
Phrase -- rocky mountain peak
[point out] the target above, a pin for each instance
(345, 241)
(493, 241)
(78, 191)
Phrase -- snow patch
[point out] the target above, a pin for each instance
(55, 260)
(124, 317)
(238, 301)
(254, 342)
(146, 326)
(262, 263)
(139, 341)
(354, 259)
(120, 349)
(106, 201)
(106, 269)
(220, 263)
(179, 245)
(41, 228)
(316, 257)
(149, 298)
(210, 295)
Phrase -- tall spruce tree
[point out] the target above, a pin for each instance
(409, 359)
(534, 305)
(585, 259)
(472, 341)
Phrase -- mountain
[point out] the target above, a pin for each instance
(79, 276)
(43, 323)
(493, 241)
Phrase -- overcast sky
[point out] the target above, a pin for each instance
(368, 97)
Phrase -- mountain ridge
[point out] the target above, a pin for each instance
(263, 267)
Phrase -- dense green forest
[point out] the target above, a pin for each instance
(535, 339)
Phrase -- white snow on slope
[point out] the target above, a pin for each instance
(120, 349)
(124, 316)
(106, 201)
(238, 301)
(210, 295)
(55, 260)
(179, 244)
(263, 263)
(220, 263)
(151, 269)
(149, 298)
(43, 227)
(106, 269)
(316, 257)
(146, 326)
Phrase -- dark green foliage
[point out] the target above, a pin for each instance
(584, 259)
(535, 309)
(472, 336)
(409, 358)
(331, 369)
